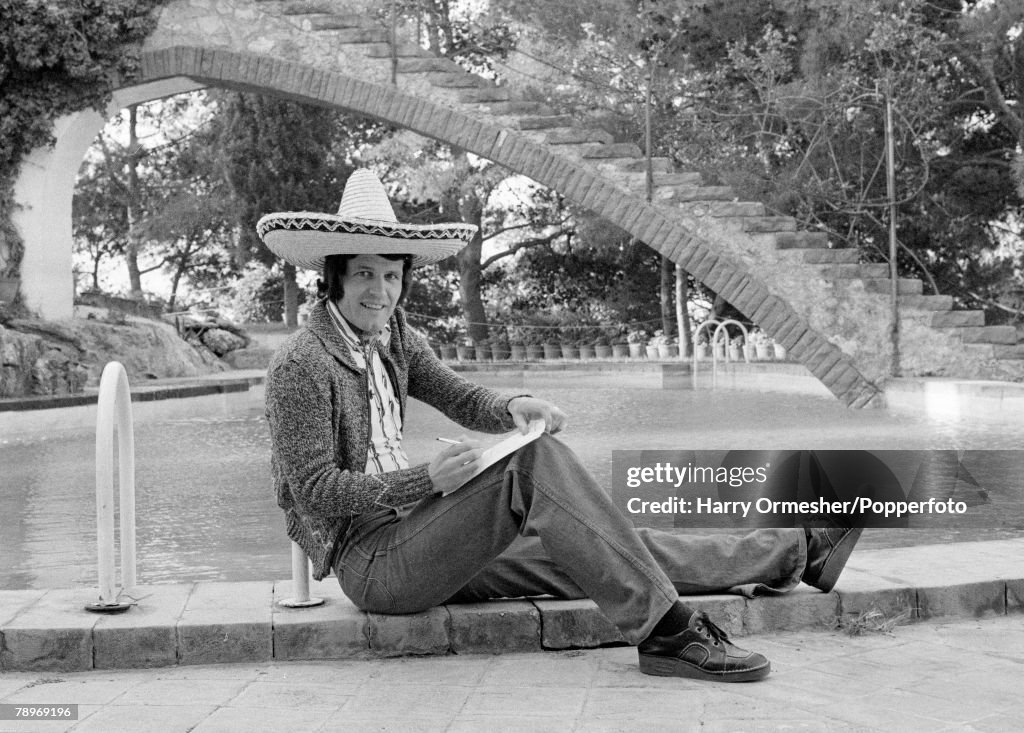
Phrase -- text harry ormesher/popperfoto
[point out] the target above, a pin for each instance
(764, 505)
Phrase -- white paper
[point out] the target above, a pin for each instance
(499, 450)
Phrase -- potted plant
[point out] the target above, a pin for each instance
(637, 340)
(465, 350)
(668, 347)
(735, 348)
(448, 351)
(553, 348)
(780, 351)
(586, 348)
(653, 345)
(482, 350)
(568, 345)
(500, 350)
(517, 343)
(701, 350)
(602, 347)
(534, 347)
(762, 345)
(620, 347)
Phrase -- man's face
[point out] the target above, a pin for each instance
(372, 285)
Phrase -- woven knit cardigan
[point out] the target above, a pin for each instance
(317, 407)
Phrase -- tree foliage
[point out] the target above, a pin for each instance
(57, 58)
(784, 100)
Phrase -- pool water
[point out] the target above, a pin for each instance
(206, 507)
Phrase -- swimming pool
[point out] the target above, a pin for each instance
(206, 508)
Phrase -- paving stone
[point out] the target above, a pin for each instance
(144, 635)
(263, 719)
(569, 624)
(513, 723)
(892, 603)
(144, 719)
(336, 629)
(972, 599)
(13, 602)
(226, 622)
(800, 609)
(53, 633)
(385, 697)
(535, 701)
(413, 633)
(493, 627)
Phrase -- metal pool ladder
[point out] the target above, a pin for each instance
(115, 410)
(115, 403)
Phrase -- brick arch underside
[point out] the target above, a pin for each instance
(723, 274)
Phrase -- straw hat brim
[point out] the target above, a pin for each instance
(305, 238)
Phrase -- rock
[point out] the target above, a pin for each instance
(221, 341)
(61, 357)
(32, 365)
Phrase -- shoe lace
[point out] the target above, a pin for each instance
(715, 633)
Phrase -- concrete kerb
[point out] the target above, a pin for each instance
(213, 622)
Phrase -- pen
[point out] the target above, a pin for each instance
(449, 441)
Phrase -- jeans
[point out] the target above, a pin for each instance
(537, 523)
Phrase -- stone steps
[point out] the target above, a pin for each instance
(904, 286)
(404, 50)
(1001, 335)
(423, 65)
(456, 80)
(675, 192)
(518, 107)
(577, 136)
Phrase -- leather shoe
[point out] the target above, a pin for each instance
(828, 549)
(701, 651)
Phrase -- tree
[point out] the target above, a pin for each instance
(278, 155)
(618, 57)
(434, 183)
(788, 107)
(145, 194)
(57, 58)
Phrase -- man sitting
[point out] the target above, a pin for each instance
(403, 538)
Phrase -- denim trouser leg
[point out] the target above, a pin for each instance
(453, 547)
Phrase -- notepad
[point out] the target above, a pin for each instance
(504, 447)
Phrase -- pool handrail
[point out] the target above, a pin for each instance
(114, 410)
(719, 326)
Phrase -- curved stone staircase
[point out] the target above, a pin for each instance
(829, 310)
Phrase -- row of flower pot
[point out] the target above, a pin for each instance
(532, 352)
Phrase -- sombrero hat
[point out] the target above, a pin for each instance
(365, 224)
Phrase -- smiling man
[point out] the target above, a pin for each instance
(403, 538)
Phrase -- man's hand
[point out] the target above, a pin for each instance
(525, 409)
(453, 466)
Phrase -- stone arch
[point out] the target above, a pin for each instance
(174, 69)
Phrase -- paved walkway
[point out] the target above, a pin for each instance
(960, 676)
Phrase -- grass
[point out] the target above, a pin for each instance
(872, 621)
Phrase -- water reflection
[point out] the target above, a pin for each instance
(206, 509)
